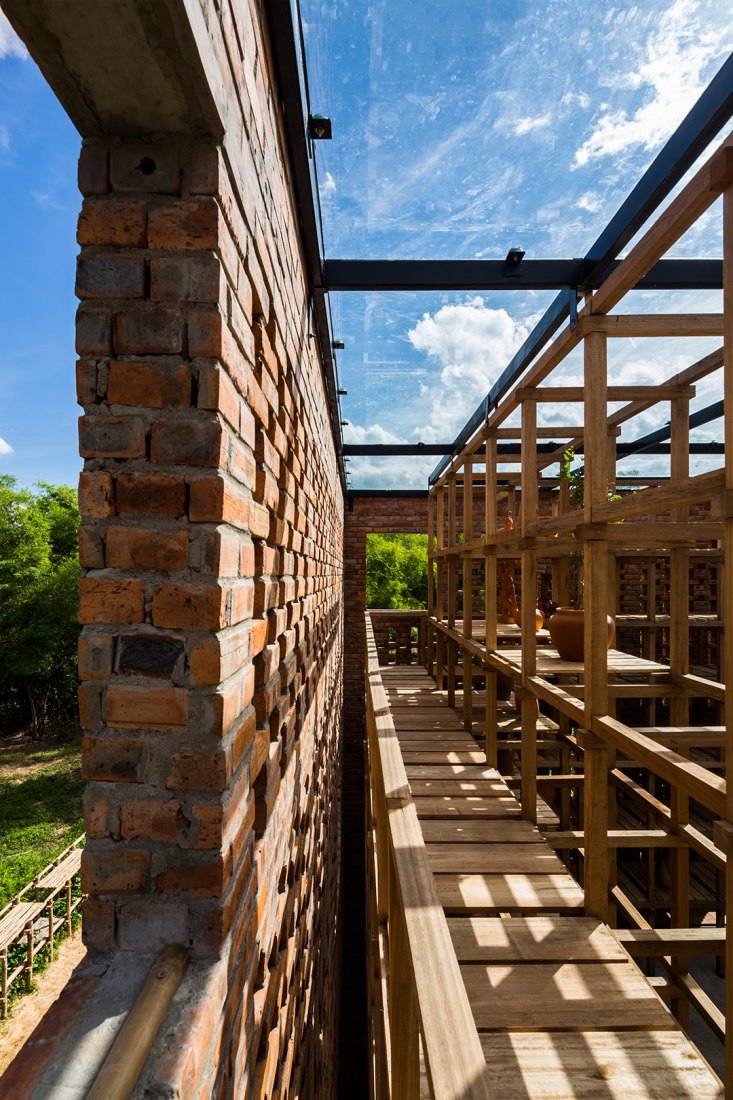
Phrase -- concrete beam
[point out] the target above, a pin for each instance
(125, 67)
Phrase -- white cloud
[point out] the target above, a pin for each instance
(677, 57)
(472, 343)
(375, 433)
(5, 448)
(47, 199)
(328, 187)
(10, 44)
(590, 202)
(526, 125)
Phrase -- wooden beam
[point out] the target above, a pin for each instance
(561, 394)
(658, 942)
(655, 324)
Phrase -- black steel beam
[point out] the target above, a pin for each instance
(383, 449)
(459, 275)
(698, 128)
(292, 85)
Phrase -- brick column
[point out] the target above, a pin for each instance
(210, 658)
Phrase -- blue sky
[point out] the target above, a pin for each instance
(473, 128)
(460, 130)
(40, 202)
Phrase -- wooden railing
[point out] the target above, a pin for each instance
(419, 1010)
(399, 636)
(30, 921)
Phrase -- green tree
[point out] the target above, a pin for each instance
(397, 571)
(39, 576)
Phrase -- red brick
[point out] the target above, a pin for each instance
(185, 279)
(193, 224)
(194, 769)
(96, 654)
(152, 169)
(153, 385)
(93, 331)
(96, 495)
(187, 443)
(113, 759)
(145, 548)
(110, 275)
(96, 819)
(151, 494)
(151, 708)
(98, 926)
(154, 820)
(113, 221)
(214, 500)
(114, 871)
(111, 601)
(91, 548)
(197, 877)
(189, 606)
(207, 825)
(148, 332)
(86, 382)
(93, 171)
(111, 437)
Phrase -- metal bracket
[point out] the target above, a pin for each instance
(573, 305)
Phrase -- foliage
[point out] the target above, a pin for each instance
(397, 571)
(41, 791)
(574, 478)
(39, 575)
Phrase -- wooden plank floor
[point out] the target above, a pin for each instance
(561, 1009)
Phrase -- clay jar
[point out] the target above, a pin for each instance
(567, 630)
(539, 619)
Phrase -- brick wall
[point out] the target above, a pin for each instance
(212, 544)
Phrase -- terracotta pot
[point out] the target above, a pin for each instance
(539, 619)
(567, 630)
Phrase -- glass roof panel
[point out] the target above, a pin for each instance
(463, 129)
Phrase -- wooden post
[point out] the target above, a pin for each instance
(4, 983)
(530, 497)
(403, 1009)
(595, 825)
(596, 550)
(451, 649)
(440, 593)
(490, 505)
(427, 637)
(679, 663)
(727, 602)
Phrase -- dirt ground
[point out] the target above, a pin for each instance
(29, 1010)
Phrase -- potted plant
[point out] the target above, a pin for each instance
(567, 625)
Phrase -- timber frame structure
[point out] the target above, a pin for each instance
(669, 524)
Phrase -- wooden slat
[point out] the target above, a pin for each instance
(577, 996)
(543, 939)
(672, 941)
(601, 1065)
(473, 808)
(500, 831)
(494, 859)
(477, 894)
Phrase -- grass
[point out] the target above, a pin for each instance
(41, 791)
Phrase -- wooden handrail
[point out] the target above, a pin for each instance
(426, 995)
(121, 1068)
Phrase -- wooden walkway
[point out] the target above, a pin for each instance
(561, 1009)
